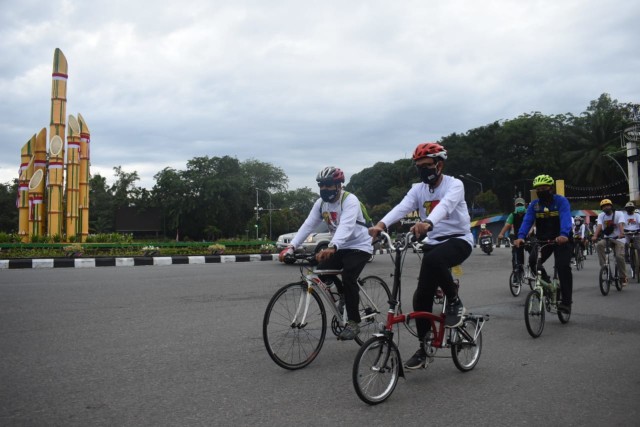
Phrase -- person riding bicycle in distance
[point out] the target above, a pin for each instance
(580, 233)
(631, 227)
(439, 200)
(513, 223)
(551, 214)
(350, 247)
(611, 224)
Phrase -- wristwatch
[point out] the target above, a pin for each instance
(332, 246)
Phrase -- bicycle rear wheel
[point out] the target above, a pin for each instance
(372, 313)
(466, 353)
(604, 280)
(289, 342)
(376, 370)
(515, 283)
(534, 313)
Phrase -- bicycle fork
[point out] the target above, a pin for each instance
(302, 310)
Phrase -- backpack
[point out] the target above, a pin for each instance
(368, 222)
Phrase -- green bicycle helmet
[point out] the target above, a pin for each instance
(542, 180)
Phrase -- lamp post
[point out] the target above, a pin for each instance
(476, 180)
(473, 179)
(270, 208)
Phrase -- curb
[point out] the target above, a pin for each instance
(21, 263)
(129, 261)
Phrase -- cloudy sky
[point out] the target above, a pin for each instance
(302, 84)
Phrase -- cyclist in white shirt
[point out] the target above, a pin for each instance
(580, 233)
(439, 200)
(610, 224)
(631, 226)
(350, 247)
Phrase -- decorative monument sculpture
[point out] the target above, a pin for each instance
(46, 201)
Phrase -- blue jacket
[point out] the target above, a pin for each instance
(551, 220)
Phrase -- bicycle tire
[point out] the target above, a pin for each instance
(466, 354)
(293, 346)
(373, 319)
(376, 370)
(515, 283)
(603, 280)
(635, 263)
(617, 280)
(534, 312)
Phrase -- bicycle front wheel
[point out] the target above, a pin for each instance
(604, 280)
(465, 352)
(515, 283)
(294, 326)
(373, 306)
(376, 370)
(534, 313)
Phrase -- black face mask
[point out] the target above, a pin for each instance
(630, 211)
(544, 195)
(328, 195)
(607, 211)
(429, 175)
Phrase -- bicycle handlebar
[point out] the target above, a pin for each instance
(401, 243)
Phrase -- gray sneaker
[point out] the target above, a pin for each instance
(350, 331)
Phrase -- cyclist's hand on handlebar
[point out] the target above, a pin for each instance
(375, 230)
(420, 229)
(561, 240)
(287, 252)
(518, 242)
(325, 254)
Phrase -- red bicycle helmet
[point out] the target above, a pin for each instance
(430, 149)
(330, 174)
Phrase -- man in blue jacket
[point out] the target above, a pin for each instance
(551, 214)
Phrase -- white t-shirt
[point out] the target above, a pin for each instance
(631, 221)
(607, 220)
(341, 217)
(445, 207)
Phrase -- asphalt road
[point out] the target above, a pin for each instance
(182, 345)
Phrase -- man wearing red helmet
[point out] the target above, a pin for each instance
(350, 247)
(439, 200)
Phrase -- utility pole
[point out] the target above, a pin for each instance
(630, 138)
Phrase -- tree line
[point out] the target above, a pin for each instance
(215, 197)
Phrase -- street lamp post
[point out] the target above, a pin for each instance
(473, 179)
(270, 208)
(476, 180)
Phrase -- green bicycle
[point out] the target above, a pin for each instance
(544, 297)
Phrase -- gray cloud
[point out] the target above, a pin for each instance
(302, 84)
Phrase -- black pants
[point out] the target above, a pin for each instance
(352, 262)
(562, 258)
(517, 256)
(435, 271)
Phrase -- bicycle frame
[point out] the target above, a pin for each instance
(441, 334)
(315, 284)
(546, 288)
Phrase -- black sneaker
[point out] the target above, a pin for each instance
(564, 308)
(418, 360)
(455, 311)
